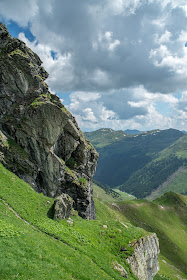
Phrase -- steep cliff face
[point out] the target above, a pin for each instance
(144, 261)
(40, 140)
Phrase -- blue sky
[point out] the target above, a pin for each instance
(119, 64)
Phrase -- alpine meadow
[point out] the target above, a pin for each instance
(93, 140)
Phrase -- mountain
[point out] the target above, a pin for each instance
(158, 175)
(46, 169)
(40, 140)
(167, 217)
(104, 136)
(34, 246)
(133, 131)
(120, 159)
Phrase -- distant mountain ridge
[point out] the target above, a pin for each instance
(169, 161)
(133, 131)
(124, 157)
(104, 136)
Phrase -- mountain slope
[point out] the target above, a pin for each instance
(176, 183)
(167, 216)
(104, 137)
(133, 131)
(37, 247)
(159, 172)
(46, 249)
(120, 159)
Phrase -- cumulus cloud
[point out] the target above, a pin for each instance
(118, 58)
(108, 43)
(134, 107)
(20, 11)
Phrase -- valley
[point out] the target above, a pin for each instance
(140, 164)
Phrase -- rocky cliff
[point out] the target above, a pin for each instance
(40, 140)
(144, 261)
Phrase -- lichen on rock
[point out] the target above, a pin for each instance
(42, 128)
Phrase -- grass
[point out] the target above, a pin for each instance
(176, 183)
(109, 196)
(55, 249)
(122, 156)
(167, 217)
(85, 250)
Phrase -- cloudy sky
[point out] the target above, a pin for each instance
(119, 64)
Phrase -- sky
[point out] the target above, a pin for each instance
(118, 64)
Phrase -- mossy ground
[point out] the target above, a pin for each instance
(55, 249)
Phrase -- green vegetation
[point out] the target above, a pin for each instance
(83, 182)
(167, 217)
(108, 195)
(12, 146)
(176, 183)
(120, 159)
(16, 148)
(66, 111)
(158, 171)
(70, 172)
(18, 52)
(46, 249)
(71, 163)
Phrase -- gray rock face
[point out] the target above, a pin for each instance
(62, 206)
(144, 261)
(40, 140)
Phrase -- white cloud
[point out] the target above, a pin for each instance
(103, 50)
(162, 57)
(95, 110)
(104, 45)
(164, 38)
(20, 11)
(58, 67)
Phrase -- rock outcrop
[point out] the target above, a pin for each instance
(62, 206)
(40, 140)
(144, 261)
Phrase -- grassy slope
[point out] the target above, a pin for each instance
(55, 249)
(158, 171)
(167, 217)
(176, 183)
(109, 195)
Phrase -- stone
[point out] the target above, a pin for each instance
(144, 260)
(42, 137)
(62, 206)
(120, 268)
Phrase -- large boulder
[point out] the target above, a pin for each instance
(62, 206)
(40, 140)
